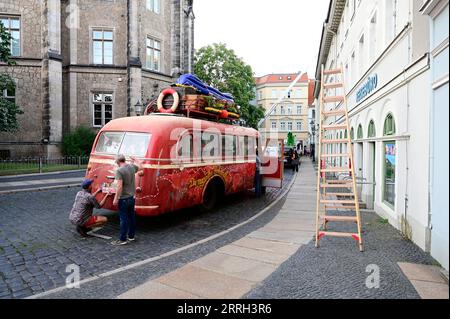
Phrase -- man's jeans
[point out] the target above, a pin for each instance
(258, 184)
(127, 218)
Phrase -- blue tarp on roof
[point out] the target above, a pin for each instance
(192, 80)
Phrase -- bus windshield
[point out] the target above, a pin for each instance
(125, 143)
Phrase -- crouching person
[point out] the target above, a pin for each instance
(85, 202)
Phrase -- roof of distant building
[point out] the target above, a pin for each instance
(281, 78)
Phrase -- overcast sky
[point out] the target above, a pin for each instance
(273, 36)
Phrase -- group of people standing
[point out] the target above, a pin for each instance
(82, 216)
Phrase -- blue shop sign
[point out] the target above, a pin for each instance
(367, 88)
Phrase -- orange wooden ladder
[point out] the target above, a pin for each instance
(334, 118)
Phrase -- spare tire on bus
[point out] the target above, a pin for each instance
(213, 193)
(165, 95)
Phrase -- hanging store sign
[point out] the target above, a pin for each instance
(367, 88)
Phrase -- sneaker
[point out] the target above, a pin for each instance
(119, 243)
(82, 231)
(131, 239)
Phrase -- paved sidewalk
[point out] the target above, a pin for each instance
(280, 261)
(235, 269)
(40, 181)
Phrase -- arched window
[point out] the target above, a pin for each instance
(371, 131)
(352, 134)
(360, 134)
(346, 134)
(389, 125)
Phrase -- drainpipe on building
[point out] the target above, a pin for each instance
(128, 60)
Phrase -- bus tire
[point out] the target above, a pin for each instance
(176, 101)
(212, 194)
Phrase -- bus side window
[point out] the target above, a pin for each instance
(251, 147)
(210, 145)
(243, 147)
(185, 147)
(229, 146)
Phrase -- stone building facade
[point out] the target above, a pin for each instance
(85, 62)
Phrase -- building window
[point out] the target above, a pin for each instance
(373, 50)
(371, 131)
(362, 56)
(260, 96)
(12, 26)
(353, 75)
(299, 126)
(274, 94)
(352, 134)
(290, 126)
(102, 108)
(283, 126)
(10, 95)
(274, 125)
(390, 153)
(391, 20)
(153, 61)
(360, 134)
(347, 78)
(282, 110)
(289, 109)
(154, 6)
(103, 47)
(299, 109)
(389, 125)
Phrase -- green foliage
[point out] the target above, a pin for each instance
(5, 46)
(221, 68)
(290, 139)
(8, 109)
(78, 142)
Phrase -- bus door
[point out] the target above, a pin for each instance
(272, 168)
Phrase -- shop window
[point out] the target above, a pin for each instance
(390, 157)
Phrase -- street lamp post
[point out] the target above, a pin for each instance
(138, 108)
(313, 145)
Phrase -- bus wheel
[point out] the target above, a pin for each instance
(212, 194)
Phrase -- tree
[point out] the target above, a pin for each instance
(290, 139)
(221, 68)
(8, 108)
(78, 142)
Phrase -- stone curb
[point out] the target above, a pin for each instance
(38, 189)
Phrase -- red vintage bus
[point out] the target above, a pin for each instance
(186, 162)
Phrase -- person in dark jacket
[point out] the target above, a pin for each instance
(81, 214)
(295, 161)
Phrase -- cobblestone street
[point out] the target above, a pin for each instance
(37, 241)
(272, 257)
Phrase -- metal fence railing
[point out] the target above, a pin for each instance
(26, 165)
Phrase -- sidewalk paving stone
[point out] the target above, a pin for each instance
(243, 268)
(206, 283)
(254, 254)
(267, 245)
(156, 290)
